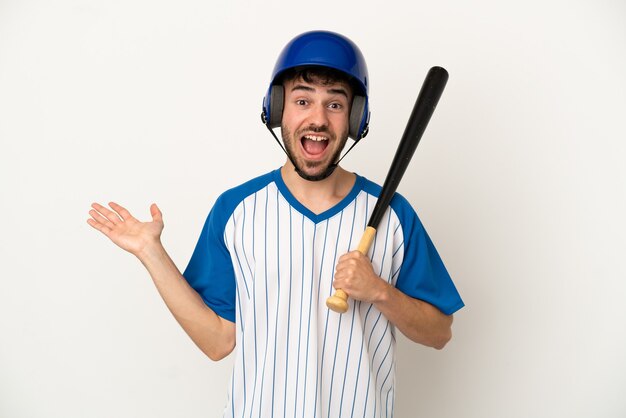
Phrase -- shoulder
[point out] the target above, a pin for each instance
(231, 198)
(399, 204)
(228, 202)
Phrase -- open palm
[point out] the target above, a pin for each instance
(125, 230)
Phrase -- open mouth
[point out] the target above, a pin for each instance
(314, 145)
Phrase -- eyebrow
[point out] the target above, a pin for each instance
(303, 87)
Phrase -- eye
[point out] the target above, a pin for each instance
(301, 102)
(335, 106)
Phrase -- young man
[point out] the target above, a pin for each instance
(273, 249)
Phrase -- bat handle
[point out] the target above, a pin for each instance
(339, 301)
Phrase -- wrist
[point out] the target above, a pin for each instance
(150, 251)
(383, 293)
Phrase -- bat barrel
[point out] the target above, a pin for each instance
(425, 104)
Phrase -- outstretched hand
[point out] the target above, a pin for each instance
(123, 229)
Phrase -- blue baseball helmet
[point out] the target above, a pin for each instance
(321, 49)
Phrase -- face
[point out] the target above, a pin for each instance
(315, 124)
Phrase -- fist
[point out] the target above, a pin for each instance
(355, 275)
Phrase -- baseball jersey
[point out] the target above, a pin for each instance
(266, 262)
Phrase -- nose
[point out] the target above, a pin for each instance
(318, 116)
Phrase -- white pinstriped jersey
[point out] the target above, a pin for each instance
(266, 262)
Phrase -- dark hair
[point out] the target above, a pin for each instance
(321, 75)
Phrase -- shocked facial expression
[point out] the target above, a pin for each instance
(315, 124)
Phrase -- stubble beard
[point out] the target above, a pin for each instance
(300, 164)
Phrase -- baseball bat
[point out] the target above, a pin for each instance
(427, 100)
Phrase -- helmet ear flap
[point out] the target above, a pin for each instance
(274, 112)
(358, 118)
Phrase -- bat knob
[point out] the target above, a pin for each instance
(338, 302)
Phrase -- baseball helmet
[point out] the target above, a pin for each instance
(321, 49)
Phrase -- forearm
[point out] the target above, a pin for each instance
(417, 320)
(214, 335)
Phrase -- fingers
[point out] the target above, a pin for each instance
(354, 274)
(352, 255)
(105, 219)
(353, 266)
(121, 211)
(110, 215)
(349, 260)
(101, 219)
(99, 225)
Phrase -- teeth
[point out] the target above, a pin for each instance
(316, 138)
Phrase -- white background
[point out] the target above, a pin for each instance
(519, 179)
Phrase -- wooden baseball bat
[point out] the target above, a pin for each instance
(427, 100)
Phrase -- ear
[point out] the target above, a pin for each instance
(357, 117)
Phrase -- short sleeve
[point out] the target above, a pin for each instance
(422, 273)
(210, 270)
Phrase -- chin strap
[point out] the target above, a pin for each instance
(331, 168)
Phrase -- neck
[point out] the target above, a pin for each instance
(318, 196)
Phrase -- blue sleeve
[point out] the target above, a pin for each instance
(422, 274)
(210, 270)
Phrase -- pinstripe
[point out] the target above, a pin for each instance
(372, 360)
(278, 297)
(232, 377)
(374, 357)
(332, 379)
(321, 368)
(267, 318)
(382, 261)
(381, 340)
(367, 211)
(343, 387)
(254, 285)
(306, 368)
(359, 366)
(378, 372)
(254, 230)
(345, 372)
(288, 310)
(395, 273)
(352, 227)
(373, 328)
(382, 264)
(243, 351)
(224, 237)
(232, 394)
(243, 241)
(374, 244)
(367, 394)
(243, 274)
(364, 323)
(241, 324)
(397, 249)
(387, 408)
(382, 386)
(300, 322)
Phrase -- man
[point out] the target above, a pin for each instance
(273, 249)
